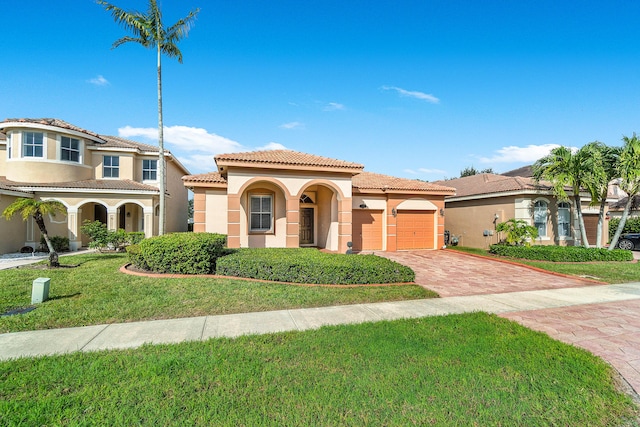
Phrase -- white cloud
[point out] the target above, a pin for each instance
(433, 171)
(333, 106)
(99, 81)
(272, 146)
(194, 147)
(413, 94)
(186, 138)
(528, 154)
(292, 125)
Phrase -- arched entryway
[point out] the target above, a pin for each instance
(319, 220)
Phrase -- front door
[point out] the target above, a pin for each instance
(306, 226)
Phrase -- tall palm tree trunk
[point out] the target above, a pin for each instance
(161, 164)
(583, 231)
(623, 221)
(603, 204)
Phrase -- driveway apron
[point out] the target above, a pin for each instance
(609, 330)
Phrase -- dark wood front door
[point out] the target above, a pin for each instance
(306, 226)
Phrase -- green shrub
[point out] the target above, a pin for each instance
(561, 253)
(632, 225)
(102, 238)
(59, 243)
(298, 265)
(181, 253)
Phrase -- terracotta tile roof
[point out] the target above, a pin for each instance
(4, 186)
(212, 177)
(53, 122)
(525, 171)
(89, 184)
(286, 158)
(619, 204)
(486, 183)
(118, 142)
(376, 181)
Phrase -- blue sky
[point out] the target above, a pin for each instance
(416, 89)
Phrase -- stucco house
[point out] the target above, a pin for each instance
(97, 177)
(284, 198)
(482, 201)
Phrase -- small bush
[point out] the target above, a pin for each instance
(59, 243)
(561, 253)
(104, 239)
(312, 266)
(180, 253)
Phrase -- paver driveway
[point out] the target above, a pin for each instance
(451, 273)
(609, 330)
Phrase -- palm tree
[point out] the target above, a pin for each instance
(604, 172)
(629, 171)
(37, 209)
(148, 30)
(562, 168)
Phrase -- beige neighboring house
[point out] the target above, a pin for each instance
(97, 177)
(284, 198)
(484, 200)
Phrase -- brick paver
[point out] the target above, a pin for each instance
(452, 273)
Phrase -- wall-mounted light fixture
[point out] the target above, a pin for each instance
(441, 211)
(363, 205)
(394, 212)
(128, 214)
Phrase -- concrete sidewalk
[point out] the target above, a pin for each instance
(130, 335)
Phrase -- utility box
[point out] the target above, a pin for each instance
(40, 290)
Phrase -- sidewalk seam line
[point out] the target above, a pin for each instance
(94, 337)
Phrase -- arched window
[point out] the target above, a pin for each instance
(564, 219)
(540, 217)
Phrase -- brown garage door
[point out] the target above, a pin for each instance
(591, 227)
(415, 230)
(367, 230)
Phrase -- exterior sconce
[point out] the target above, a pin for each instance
(128, 214)
(441, 211)
(363, 205)
(394, 212)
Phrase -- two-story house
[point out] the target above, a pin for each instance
(97, 177)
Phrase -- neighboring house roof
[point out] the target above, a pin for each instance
(49, 122)
(490, 184)
(376, 181)
(285, 159)
(205, 178)
(618, 205)
(117, 142)
(525, 171)
(89, 184)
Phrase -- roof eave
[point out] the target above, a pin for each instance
(30, 125)
(223, 165)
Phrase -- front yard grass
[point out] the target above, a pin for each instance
(95, 292)
(472, 369)
(605, 271)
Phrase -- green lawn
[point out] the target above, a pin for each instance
(473, 369)
(608, 272)
(95, 292)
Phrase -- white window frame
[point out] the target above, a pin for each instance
(149, 170)
(566, 207)
(110, 167)
(24, 145)
(9, 146)
(262, 213)
(70, 150)
(536, 205)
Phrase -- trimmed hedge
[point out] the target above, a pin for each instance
(632, 225)
(298, 265)
(561, 253)
(59, 243)
(180, 253)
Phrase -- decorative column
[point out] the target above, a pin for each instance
(148, 221)
(73, 224)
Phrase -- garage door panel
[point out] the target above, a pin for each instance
(367, 230)
(415, 230)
